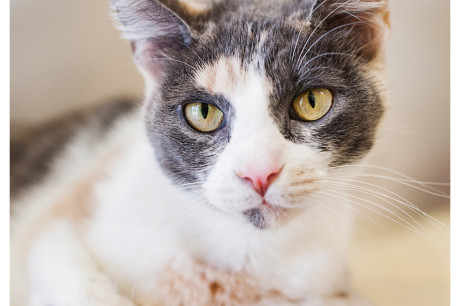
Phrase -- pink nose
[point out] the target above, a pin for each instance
(260, 178)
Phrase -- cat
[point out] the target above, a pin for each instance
(210, 192)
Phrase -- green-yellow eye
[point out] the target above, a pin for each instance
(203, 117)
(313, 104)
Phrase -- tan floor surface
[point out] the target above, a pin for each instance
(400, 267)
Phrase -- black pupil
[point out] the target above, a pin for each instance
(311, 99)
(204, 110)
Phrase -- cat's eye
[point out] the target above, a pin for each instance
(313, 104)
(203, 117)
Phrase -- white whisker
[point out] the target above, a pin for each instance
(326, 220)
(301, 28)
(355, 210)
(405, 223)
(346, 220)
(402, 200)
(373, 193)
(424, 186)
(323, 55)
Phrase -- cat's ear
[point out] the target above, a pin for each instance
(154, 28)
(363, 23)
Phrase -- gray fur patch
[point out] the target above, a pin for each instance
(256, 218)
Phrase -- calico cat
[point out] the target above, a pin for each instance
(210, 193)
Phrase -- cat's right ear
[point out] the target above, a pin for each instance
(153, 29)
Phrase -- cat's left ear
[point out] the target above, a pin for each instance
(154, 28)
(364, 24)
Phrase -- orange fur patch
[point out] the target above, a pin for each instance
(222, 77)
(195, 7)
(200, 284)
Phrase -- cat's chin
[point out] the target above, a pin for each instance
(269, 216)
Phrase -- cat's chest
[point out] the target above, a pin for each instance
(191, 282)
(178, 277)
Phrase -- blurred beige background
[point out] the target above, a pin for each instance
(66, 54)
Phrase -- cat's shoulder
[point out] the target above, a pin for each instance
(34, 148)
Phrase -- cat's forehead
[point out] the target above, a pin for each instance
(246, 37)
(242, 54)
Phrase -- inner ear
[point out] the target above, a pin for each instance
(154, 29)
(365, 23)
(369, 31)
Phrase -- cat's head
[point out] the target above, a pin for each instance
(254, 102)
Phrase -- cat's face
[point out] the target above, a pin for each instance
(254, 109)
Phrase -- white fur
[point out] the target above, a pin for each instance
(62, 272)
